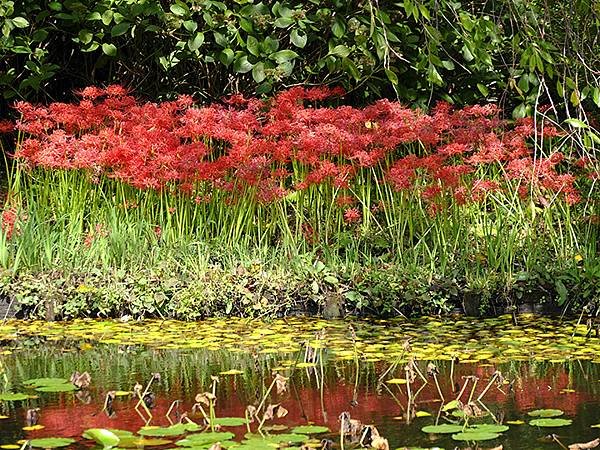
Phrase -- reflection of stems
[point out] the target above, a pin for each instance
(416, 367)
(462, 389)
(206, 418)
(437, 418)
(398, 402)
(264, 399)
(211, 412)
(322, 384)
(409, 393)
(555, 439)
(487, 388)
(473, 390)
(578, 322)
(392, 366)
(142, 403)
(452, 374)
(437, 384)
(356, 369)
(141, 397)
(487, 409)
(175, 402)
(247, 420)
(342, 426)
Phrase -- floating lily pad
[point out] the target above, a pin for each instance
(57, 388)
(230, 421)
(199, 439)
(223, 444)
(3, 417)
(549, 423)
(275, 427)
(304, 365)
(489, 428)
(453, 404)
(38, 382)
(396, 381)
(231, 372)
(138, 441)
(13, 397)
(173, 430)
(122, 393)
(287, 438)
(34, 427)
(422, 414)
(120, 433)
(104, 437)
(474, 436)
(51, 442)
(445, 428)
(257, 444)
(515, 422)
(282, 438)
(310, 429)
(545, 413)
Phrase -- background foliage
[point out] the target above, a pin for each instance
(516, 52)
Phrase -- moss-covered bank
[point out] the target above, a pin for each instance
(257, 290)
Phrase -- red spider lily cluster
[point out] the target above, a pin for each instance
(268, 149)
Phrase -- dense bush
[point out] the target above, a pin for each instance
(518, 53)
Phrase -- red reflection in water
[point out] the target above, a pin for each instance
(69, 417)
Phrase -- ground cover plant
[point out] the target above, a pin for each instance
(457, 199)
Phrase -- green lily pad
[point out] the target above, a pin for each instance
(445, 428)
(104, 437)
(38, 382)
(140, 441)
(223, 444)
(51, 442)
(173, 430)
(230, 421)
(200, 439)
(310, 429)
(120, 433)
(545, 413)
(488, 428)
(474, 436)
(57, 388)
(257, 444)
(13, 397)
(453, 404)
(549, 423)
(276, 439)
(289, 438)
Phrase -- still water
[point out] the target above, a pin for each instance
(391, 375)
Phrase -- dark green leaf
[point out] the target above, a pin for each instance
(120, 29)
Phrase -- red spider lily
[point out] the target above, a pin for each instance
(6, 126)
(9, 219)
(352, 215)
(246, 146)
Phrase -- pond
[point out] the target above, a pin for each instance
(533, 384)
